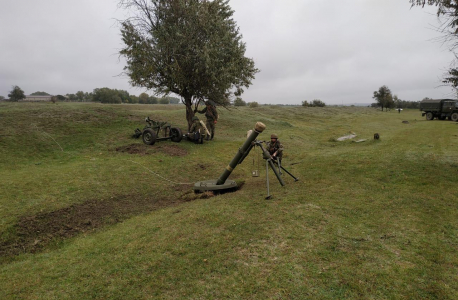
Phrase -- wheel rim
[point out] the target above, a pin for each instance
(147, 137)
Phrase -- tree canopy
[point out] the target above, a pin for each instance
(239, 102)
(106, 95)
(314, 103)
(384, 97)
(16, 94)
(192, 48)
(447, 11)
(318, 103)
(40, 94)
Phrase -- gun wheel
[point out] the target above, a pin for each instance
(149, 136)
(176, 134)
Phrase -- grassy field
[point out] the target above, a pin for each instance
(88, 212)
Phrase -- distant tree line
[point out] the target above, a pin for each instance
(385, 99)
(107, 95)
(314, 103)
(239, 102)
(40, 94)
(102, 95)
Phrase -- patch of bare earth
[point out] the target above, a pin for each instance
(33, 234)
(142, 149)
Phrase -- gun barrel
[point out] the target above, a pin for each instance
(259, 127)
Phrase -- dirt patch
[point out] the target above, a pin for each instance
(33, 234)
(134, 149)
(173, 150)
(190, 196)
(142, 149)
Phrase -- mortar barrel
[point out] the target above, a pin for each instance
(259, 127)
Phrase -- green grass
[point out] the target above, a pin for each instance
(370, 220)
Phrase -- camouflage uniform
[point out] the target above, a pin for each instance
(197, 131)
(275, 147)
(212, 116)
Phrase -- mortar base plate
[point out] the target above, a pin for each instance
(210, 185)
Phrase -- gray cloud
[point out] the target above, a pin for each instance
(338, 51)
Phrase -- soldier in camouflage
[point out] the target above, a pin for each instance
(197, 131)
(212, 117)
(275, 148)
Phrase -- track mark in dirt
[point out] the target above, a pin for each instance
(142, 149)
(32, 234)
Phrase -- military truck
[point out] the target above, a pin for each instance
(440, 109)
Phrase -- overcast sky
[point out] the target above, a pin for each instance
(339, 51)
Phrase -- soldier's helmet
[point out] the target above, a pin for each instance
(274, 136)
(195, 118)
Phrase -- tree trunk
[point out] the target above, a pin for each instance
(189, 111)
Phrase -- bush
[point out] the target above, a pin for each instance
(318, 103)
(254, 104)
(239, 102)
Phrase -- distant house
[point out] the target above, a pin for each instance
(32, 98)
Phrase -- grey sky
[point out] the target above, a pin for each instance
(338, 51)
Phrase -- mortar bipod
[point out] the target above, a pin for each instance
(281, 167)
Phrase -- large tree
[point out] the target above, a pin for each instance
(80, 95)
(447, 12)
(16, 94)
(384, 97)
(143, 98)
(192, 48)
(106, 95)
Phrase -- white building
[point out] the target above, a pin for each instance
(32, 98)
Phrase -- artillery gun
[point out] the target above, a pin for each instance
(158, 131)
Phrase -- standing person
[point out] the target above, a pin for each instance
(212, 117)
(275, 148)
